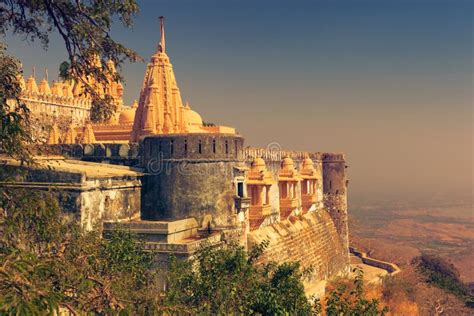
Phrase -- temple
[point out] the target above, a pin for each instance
(159, 171)
(161, 109)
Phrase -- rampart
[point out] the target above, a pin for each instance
(388, 266)
(311, 239)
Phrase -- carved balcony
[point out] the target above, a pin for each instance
(308, 199)
(289, 203)
(260, 210)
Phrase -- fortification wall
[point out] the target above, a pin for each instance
(92, 192)
(117, 154)
(191, 175)
(311, 239)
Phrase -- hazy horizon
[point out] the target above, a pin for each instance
(389, 83)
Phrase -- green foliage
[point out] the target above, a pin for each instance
(13, 113)
(224, 280)
(344, 301)
(48, 262)
(64, 70)
(444, 275)
(84, 26)
(102, 109)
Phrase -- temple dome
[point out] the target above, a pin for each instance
(44, 87)
(287, 164)
(308, 164)
(193, 118)
(127, 116)
(258, 164)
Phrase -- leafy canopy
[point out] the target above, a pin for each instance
(84, 27)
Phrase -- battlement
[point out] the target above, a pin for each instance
(336, 157)
(122, 154)
(193, 146)
(251, 153)
(267, 154)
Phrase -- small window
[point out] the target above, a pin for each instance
(200, 147)
(171, 147)
(185, 147)
(330, 185)
(226, 147)
(214, 146)
(240, 189)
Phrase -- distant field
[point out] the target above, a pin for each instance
(398, 232)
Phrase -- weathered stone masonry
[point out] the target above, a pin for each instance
(311, 239)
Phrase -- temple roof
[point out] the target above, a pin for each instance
(160, 108)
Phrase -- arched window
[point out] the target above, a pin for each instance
(185, 147)
(200, 147)
(214, 146)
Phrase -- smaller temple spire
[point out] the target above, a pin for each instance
(162, 31)
(46, 73)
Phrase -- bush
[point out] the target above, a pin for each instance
(443, 274)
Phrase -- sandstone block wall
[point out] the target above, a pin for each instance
(312, 239)
(92, 192)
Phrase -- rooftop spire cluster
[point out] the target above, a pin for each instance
(160, 108)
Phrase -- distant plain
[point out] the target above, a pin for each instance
(398, 231)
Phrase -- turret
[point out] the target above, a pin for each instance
(57, 89)
(191, 175)
(31, 85)
(335, 192)
(44, 85)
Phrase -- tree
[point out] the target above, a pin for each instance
(48, 262)
(85, 27)
(444, 275)
(102, 109)
(13, 112)
(226, 280)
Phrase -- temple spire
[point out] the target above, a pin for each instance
(162, 31)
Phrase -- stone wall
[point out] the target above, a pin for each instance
(311, 239)
(191, 175)
(93, 192)
(117, 154)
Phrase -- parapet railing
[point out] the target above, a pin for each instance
(270, 154)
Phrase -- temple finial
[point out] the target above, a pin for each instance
(46, 74)
(162, 31)
(34, 72)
